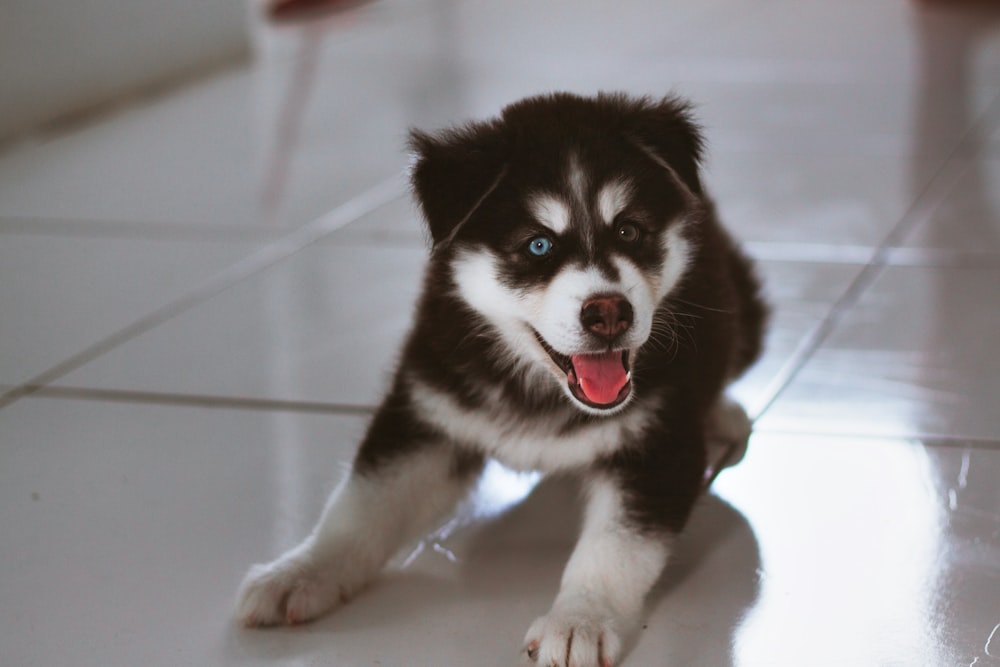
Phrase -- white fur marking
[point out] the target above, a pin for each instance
(610, 558)
(603, 588)
(526, 444)
(367, 518)
(728, 432)
(576, 177)
(678, 250)
(551, 212)
(612, 199)
(475, 274)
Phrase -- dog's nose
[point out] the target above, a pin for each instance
(606, 316)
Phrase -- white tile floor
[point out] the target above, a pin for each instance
(200, 298)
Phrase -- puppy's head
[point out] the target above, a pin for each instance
(564, 223)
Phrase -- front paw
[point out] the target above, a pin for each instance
(295, 588)
(580, 636)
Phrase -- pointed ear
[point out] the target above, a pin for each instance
(453, 172)
(666, 130)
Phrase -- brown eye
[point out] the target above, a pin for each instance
(627, 231)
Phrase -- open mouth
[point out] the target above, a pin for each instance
(601, 381)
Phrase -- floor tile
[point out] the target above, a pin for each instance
(991, 142)
(214, 155)
(324, 325)
(189, 156)
(129, 528)
(60, 295)
(859, 41)
(840, 199)
(911, 358)
(968, 219)
(113, 564)
(800, 295)
(809, 118)
(758, 114)
(399, 222)
(764, 80)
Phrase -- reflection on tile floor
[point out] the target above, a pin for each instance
(853, 145)
(911, 358)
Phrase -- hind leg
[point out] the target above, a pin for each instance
(727, 433)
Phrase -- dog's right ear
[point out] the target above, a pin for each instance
(453, 171)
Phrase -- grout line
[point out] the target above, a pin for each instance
(331, 408)
(284, 248)
(808, 253)
(181, 232)
(811, 342)
(198, 400)
(942, 258)
(926, 439)
(142, 230)
(822, 253)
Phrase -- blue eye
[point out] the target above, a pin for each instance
(540, 246)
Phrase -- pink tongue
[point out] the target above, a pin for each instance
(601, 376)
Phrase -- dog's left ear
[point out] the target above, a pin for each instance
(453, 172)
(667, 130)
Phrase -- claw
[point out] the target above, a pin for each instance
(532, 650)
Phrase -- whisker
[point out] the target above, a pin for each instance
(703, 307)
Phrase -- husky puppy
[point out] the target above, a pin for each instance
(582, 312)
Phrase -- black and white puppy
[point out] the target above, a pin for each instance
(582, 312)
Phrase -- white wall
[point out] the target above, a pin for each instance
(59, 57)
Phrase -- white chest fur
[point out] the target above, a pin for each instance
(525, 443)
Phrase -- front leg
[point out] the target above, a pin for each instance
(398, 487)
(634, 509)
(604, 585)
